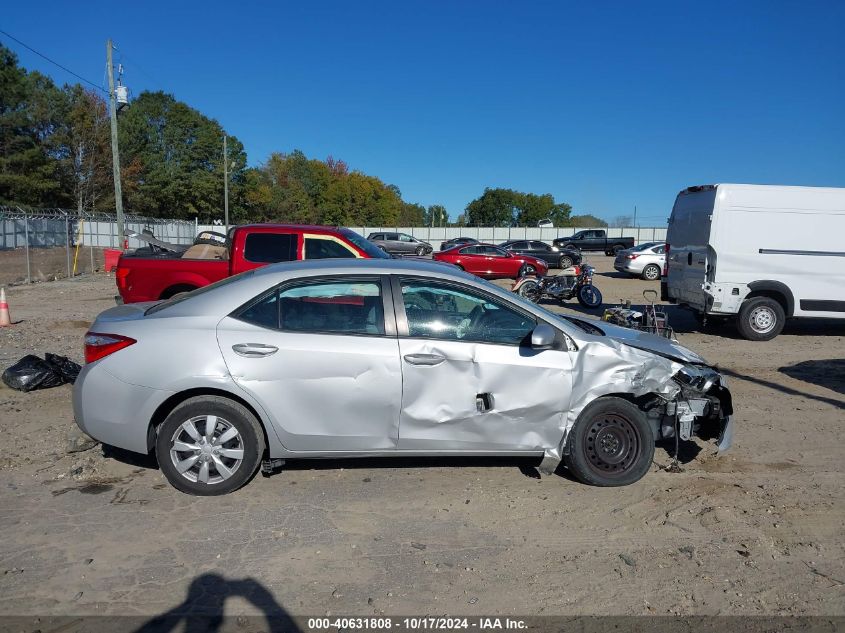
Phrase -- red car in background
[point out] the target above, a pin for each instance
(492, 262)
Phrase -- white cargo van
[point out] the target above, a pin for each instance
(758, 252)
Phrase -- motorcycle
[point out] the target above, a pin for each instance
(561, 287)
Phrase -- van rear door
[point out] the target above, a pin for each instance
(688, 238)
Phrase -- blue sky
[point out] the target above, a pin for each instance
(606, 105)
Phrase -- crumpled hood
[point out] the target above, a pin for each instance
(652, 343)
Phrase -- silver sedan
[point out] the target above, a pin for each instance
(646, 260)
(331, 358)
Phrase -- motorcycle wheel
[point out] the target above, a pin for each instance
(589, 296)
(530, 290)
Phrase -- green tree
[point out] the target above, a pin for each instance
(30, 110)
(411, 214)
(586, 221)
(506, 207)
(176, 153)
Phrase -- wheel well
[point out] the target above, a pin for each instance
(772, 294)
(167, 293)
(175, 400)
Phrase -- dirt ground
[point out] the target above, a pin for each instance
(47, 264)
(759, 531)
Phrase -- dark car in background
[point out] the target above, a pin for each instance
(552, 255)
(595, 240)
(400, 243)
(457, 241)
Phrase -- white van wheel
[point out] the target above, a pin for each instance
(761, 319)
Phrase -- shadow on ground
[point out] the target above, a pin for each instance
(828, 373)
(203, 607)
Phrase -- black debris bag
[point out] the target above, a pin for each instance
(31, 373)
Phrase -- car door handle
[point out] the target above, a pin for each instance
(254, 350)
(424, 359)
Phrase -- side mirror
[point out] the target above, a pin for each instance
(543, 336)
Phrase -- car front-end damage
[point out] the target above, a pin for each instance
(681, 395)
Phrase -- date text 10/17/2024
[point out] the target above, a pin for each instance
(416, 623)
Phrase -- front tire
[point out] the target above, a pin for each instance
(611, 444)
(760, 319)
(651, 272)
(589, 296)
(420, 251)
(565, 262)
(209, 445)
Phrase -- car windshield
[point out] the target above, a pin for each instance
(368, 247)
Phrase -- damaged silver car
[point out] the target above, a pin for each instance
(331, 358)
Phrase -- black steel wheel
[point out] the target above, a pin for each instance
(611, 444)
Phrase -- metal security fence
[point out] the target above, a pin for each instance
(42, 244)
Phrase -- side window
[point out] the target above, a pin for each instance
(492, 251)
(326, 248)
(377, 237)
(660, 250)
(339, 307)
(268, 248)
(470, 250)
(393, 237)
(518, 246)
(539, 246)
(264, 313)
(406, 238)
(448, 312)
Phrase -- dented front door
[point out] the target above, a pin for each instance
(469, 381)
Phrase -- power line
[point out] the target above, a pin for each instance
(55, 63)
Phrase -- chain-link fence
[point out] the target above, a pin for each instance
(45, 244)
(42, 244)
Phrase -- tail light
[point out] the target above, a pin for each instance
(121, 276)
(666, 262)
(633, 256)
(577, 270)
(99, 345)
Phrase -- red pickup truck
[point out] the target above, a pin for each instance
(161, 270)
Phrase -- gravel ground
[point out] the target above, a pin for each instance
(758, 532)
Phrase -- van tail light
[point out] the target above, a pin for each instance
(98, 345)
(666, 262)
(121, 276)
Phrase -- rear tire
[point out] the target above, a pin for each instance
(611, 444)
(230, 463)
(760, 319)
(651, 272)
(614, 250)
(530, 290)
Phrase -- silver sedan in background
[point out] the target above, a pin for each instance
(646, 260)
(342, 358)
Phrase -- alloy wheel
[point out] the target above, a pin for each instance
(206, 449)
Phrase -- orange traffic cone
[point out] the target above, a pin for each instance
(5, 319)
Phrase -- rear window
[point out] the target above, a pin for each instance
(689, 224)
(169, 303)
(269, 248)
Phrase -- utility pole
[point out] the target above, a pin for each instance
(118, 193)
(225, 186)
(635, 215)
